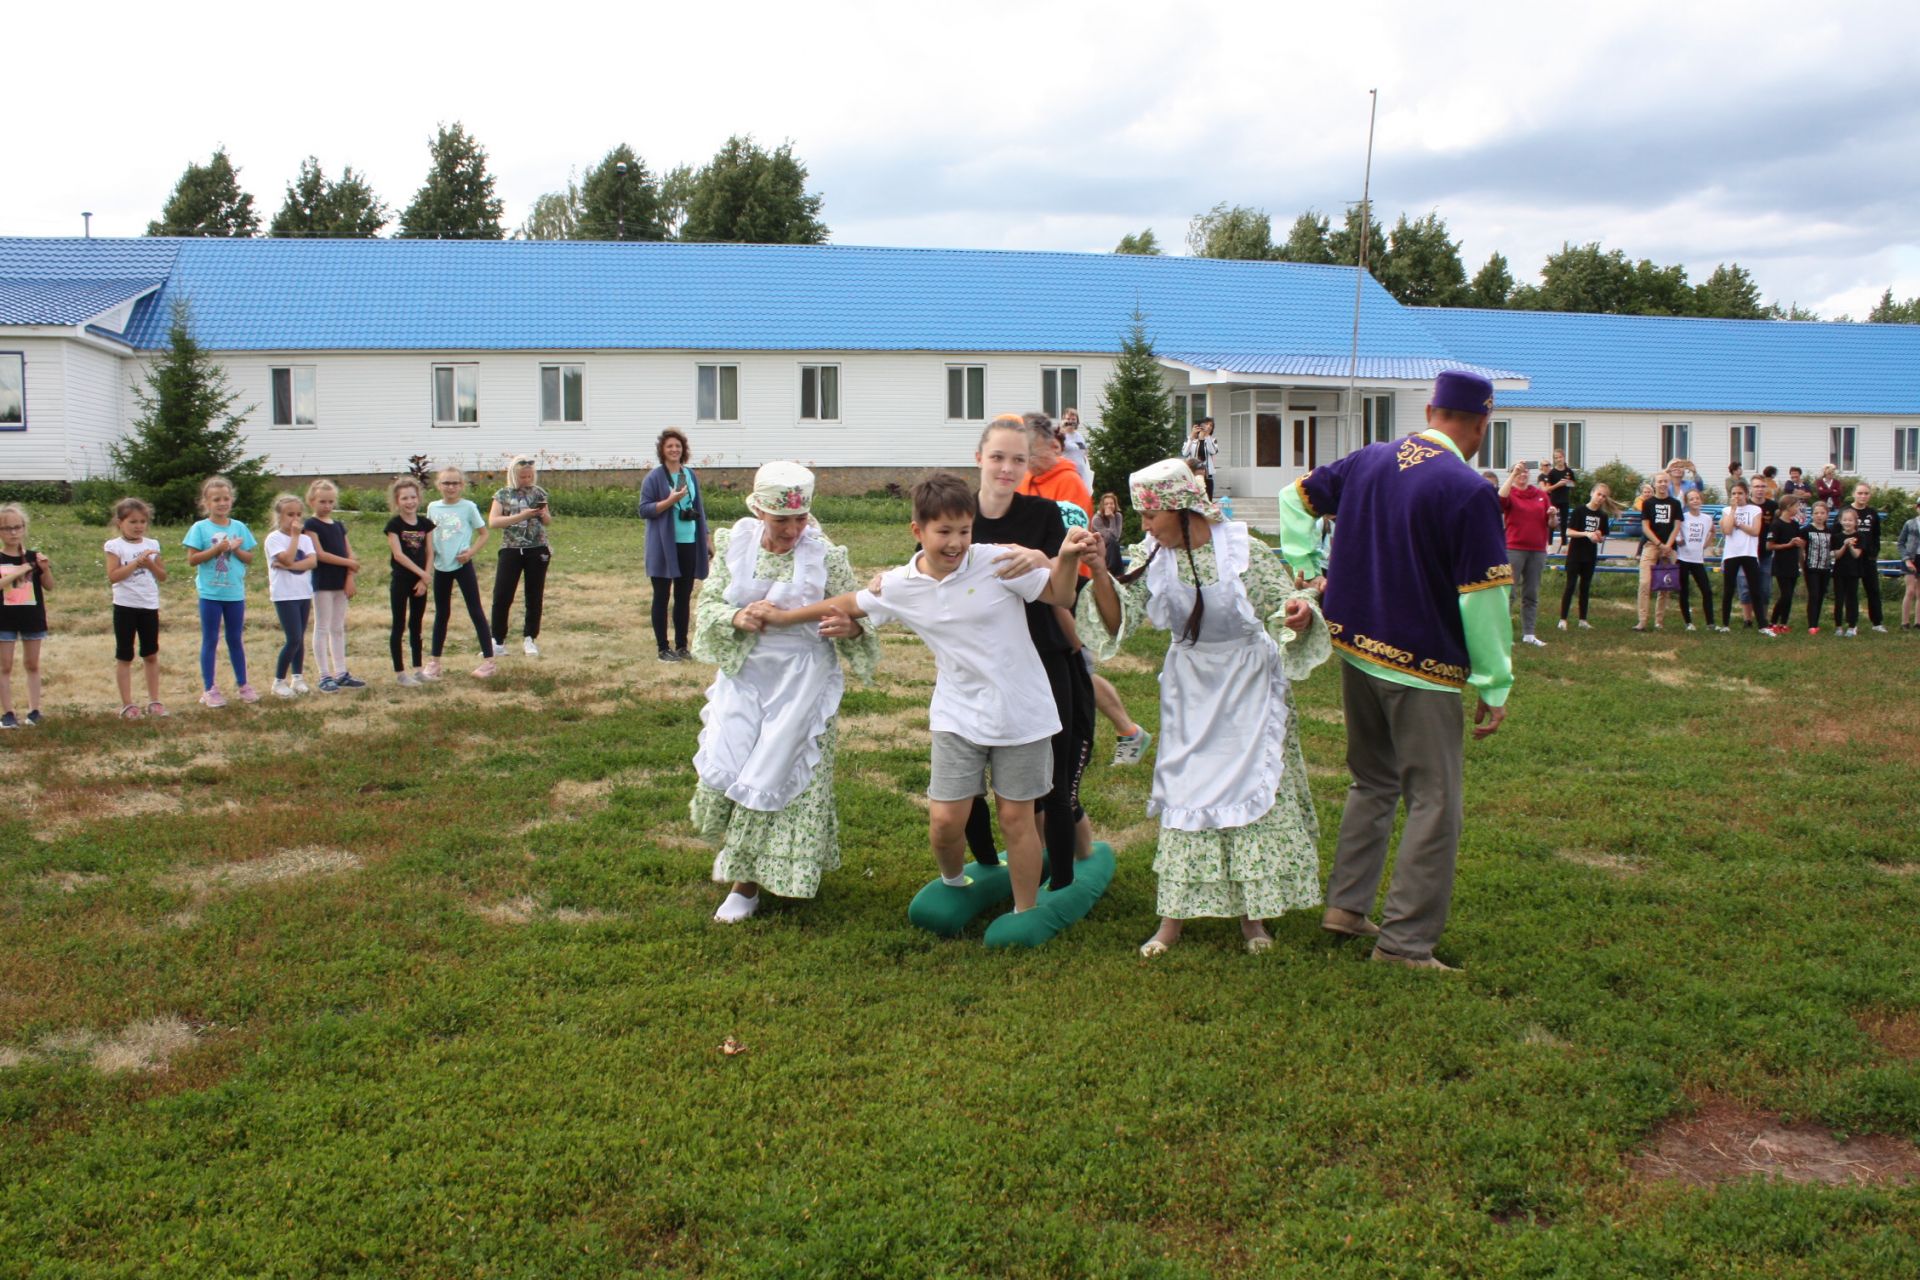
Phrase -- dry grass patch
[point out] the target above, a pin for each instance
(1140, 834)
(887, 782)
(1897, 1033)
(901, 728)
(1128, 664)
(147, 1046)
(1680, 678)
(288, 864)
(1901, 869)
(528, 910)
(1611, 863)
(68, 881)
(1325, 715)
(1725, 1143)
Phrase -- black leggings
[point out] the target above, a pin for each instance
(1817, 580)
(1579, 573)
(1059, 810)
(506, 576)
(1691, 573)
(1846, 600)
(1785, 582)
(293, 624)
(408, 611)
(681, 588)
(1870, 583)
(1749, 566)
(443, 598)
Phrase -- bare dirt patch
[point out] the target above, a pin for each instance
(1612, 863)
(1680, 678)
(1724, 1143)
(68, 881)
(1897, 868)
(1897, 1033)
(288, 864)
(147, 1046)
(1325, 715)
(526, 909)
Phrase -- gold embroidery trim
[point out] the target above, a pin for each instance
(1300, 487)
(1430, 671)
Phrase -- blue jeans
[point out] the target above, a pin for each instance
(293, 622)
(213, 613)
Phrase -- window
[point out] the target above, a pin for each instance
(563, 393)
(820, 392)
(1376, 419)
(1743, 445)
(1572, 437)
(13, 391)
(456, 395)
(1494, 445)
(1906, 444)
(1197, 406)
(1840, 454)
(1676, 441)
(717, 393)
(966, 392)
(293, 398)
(1059, 391)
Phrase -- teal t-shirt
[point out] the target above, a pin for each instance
(454, 524)
(684, 525)
(225, 576)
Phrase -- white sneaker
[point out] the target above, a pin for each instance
(529, 648)
(1536, 641)
(1585, 625)
(1852, 632)
(1877, 627)
(1691, 627)
(282, 689)
(1130, 750)
(1563, 624)
(300, 685)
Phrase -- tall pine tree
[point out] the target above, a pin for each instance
(347, 209)
(188, 431)
(456, 202)
(208, 201)
(1136, 416)
(619, 200)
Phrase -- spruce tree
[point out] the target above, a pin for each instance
(1136, 417)
(456, 202)
(188, 431)
(347, 209)
(208, 201)
(619, 200)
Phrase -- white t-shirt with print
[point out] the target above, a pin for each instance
(1696, 531)
(1739, 543)
(990, 688)
(137, 590)
(286, 584)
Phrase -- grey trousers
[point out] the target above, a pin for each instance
(1401, 742)
(1526, 578)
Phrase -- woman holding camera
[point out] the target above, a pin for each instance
(677, 540)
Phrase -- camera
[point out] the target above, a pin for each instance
(681, 513)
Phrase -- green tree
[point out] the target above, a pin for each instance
(347, 209)
(1580, 278)
(676, 188)
(1422, 264)
(749, 195)
(1344, 244)
(1888, 311)
(1792, 311)
(1661, 291)
(1239, 232)
(1306, 240)
(457, 201)
(1137, 427)
(555, 215)
(208, 201)
(619, 201)
(1728, 294)
(187, 431)
(1144, 243)
(1492, 284)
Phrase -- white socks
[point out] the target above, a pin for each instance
(956, 882)
(736, 908)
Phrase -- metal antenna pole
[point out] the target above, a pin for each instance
(1359, 277)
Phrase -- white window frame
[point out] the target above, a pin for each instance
(1745, 434)
(1676, 441)
(1054, 403)
(820, 372)
(1846, 458)
(1570, 437)
(1496, 446)
(559, 370)
(19, 362)
(293, 373)
(458, 368)
(1906, 448)
(1376, 419)
(719, 413)
(969, 412)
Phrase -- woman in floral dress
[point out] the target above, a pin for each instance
(1238, 835)
(765, 763)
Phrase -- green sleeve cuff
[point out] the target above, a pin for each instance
(1299, 536)
(1488, 622)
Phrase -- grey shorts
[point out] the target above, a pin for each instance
(960, 769)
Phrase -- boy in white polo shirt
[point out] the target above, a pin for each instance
(992, 710)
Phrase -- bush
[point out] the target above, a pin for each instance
(368, 500)
(92, 500)
(36, 493)
(1621, 480)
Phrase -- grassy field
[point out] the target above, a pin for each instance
(424, 983)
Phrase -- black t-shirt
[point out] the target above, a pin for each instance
(1784, 558)
(416, 543)
(23, 607)
(1868, 522)
(1661, 515)
(1562, 498)
(1585, 520)
(1037, 523)
(1844, 565)
(329, 536)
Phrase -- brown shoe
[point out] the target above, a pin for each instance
(1351, 923)
(1387, 957)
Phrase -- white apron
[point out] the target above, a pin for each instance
(760, 740)
(1223, 713)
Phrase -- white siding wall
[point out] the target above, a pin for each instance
(39, 452)
(96, 408)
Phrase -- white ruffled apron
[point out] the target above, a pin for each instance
(1223, 718)
(760, 740)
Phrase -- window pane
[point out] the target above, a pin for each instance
(830, 392)
(550, 394)
(282, 397)
(468, 392)
(13, 397)
(977, 391)
(708, 397)
(1050, 392)
(573, 392)
(729, 393)
(442, 394)
(1069, 389)
(1199, 406)
(809, 391)
(305, 411)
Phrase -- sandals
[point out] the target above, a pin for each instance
(1152, 947)
(131, 712)
(155, 711)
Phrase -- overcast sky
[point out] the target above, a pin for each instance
(1785, 137)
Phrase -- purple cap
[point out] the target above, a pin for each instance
(1462, 392)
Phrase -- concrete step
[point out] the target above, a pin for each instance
(1262, 514)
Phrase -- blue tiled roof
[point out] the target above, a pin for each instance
(65, 301)
(479, 295)
(1393, 368)
(1666, 364)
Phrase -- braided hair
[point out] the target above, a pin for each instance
(1191, 632)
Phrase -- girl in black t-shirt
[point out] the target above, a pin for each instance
(1819, 563)
(1785, 540)
(410, 544)
(1558, 482)
(1850, 565)
(1586, 531)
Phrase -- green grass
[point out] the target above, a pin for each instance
(385, 1082)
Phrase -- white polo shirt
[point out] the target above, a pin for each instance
(990, 687)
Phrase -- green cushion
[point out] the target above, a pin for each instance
(947, 911)
(1057, 908)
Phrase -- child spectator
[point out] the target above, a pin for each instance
(1909, 552)
(1690, 552)
(410, 561)
(25, 576)
(521, 514)
(335, 580)
(1660, 513)
(1558, 482)
(220, 548)
(135, 573)
(1850, 564)
(291, 560)
(1869, 521)
(1819, 564)
(1786, 541)
(1740, 529)
(1586, 533)
(455, 522)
